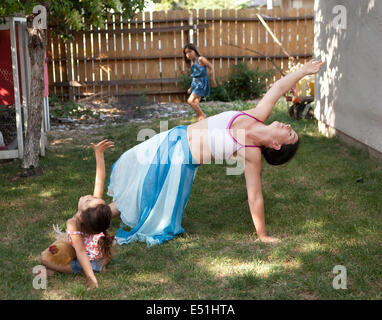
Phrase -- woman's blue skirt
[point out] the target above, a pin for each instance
(150, 185)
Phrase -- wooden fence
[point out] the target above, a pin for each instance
(145, 55)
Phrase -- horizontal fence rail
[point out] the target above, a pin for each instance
(144, 56)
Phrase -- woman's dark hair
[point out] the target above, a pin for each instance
(190, 46)
(96, 220)
(277, 157)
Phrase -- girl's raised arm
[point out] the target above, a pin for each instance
(99, 150)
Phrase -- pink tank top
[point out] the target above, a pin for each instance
(222, 144)
(90, 242)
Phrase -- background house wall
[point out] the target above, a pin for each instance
(348, 91)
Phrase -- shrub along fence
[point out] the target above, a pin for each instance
(144, 56)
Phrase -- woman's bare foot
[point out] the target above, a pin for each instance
(268, 239)
(201, 117)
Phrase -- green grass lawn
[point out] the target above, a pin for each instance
(323, 216)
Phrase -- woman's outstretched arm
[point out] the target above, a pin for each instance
(99, 150)
(283, 85)
(252, 172)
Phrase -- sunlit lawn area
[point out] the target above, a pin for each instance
(323, 216)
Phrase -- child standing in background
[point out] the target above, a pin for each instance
(200, 86)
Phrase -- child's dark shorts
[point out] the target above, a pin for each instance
(76, 265)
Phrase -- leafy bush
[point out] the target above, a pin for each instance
(247, 84)
(220, 92)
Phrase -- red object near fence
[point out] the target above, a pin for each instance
(7, 96)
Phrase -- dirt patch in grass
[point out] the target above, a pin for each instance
(59, 140)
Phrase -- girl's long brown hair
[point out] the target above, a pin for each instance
(96, 220)
(106, 245)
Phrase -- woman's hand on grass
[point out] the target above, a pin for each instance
(101, 146)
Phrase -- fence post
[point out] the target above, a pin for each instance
(69, 68)
(191, 24)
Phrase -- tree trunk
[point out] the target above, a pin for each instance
(37, 39)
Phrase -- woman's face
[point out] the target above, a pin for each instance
(89, 201)
(283, 133)
(190, 54)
